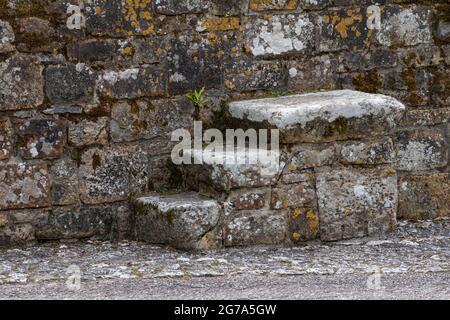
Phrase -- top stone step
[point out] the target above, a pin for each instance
(320, 117)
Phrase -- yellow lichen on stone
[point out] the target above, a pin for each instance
(296, 236)
(221, 24)
(313, 221)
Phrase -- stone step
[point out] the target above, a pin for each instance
(223, 172)
(185, 221)
(320, 117)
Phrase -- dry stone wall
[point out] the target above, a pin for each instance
(90, 91)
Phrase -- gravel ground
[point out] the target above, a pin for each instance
(411, 263)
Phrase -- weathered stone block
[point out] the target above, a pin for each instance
(6, 138)
(421, 149)
(312, 74)
(64, 174)
(184, 221)
(280, 34)
(147, 120)
(41, 139)
(18, 234)
(86, 132)
(303, 224)
(70, 84)
(75, 223)
(304, 156)
(314, 4)
(174, 7)
(120, 18)
(248, 200)
(199, 61)
(229, 174)
(92, 50)
(405, 26)
(145, 81)
(218, 24)
(344, 29)
(21, 83)
(426, 117)
(375, 151)
(36, 35)
(24, 186)
(321, 117)
(298, 195)
(229, 7)
(262, 5)
(424, 197)
(443, 30)
(255, 75)
(6, 37)
(256, 228)
(112, 174)
(356, 203)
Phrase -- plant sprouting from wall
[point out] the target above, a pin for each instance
(197, 98)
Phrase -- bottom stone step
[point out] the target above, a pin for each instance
(184, 221)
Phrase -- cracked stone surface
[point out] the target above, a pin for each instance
(414, 251)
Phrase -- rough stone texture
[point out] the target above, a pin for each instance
(173, 7)
(115, 89)
(258, 228)
(132, 83)
(41, 139)
(424, 197)
(229, 174)
(185, 221)
(6, 37)
(421, 149)
(146, 120)
(405, 26)
(75, 223)
(86, 132)
(299, 195)
(112, 174)
(280, 34)
(376, 151)
(6, 138)
(356, 203)
(70, 84)
(21, 83)
(330, 116)
(24, 185)
(64, 175)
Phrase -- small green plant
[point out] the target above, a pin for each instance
(197, 98)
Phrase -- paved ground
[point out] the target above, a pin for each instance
(412, 263)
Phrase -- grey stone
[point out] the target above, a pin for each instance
(356, 203)
(147, 120)
(421, 149)
(405, 26)
(21, 83)
(41, 139)
(24, 185)
(281, 34)
(145, 81)
(227, 175)
(424, 197)
(6, 37)
(298, 195)
(443, 30)
(112, 174)
(86, 132)
(64, 174)
(256, 228)
(304, 156)
(317, 117)
(75, 223)
(70, 84)
(6, 138)
(374, 151)
(174, 7)
(184, 221)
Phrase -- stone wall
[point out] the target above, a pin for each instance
(87, 101)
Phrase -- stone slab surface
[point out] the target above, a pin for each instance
(323, 116)
(184, 221)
